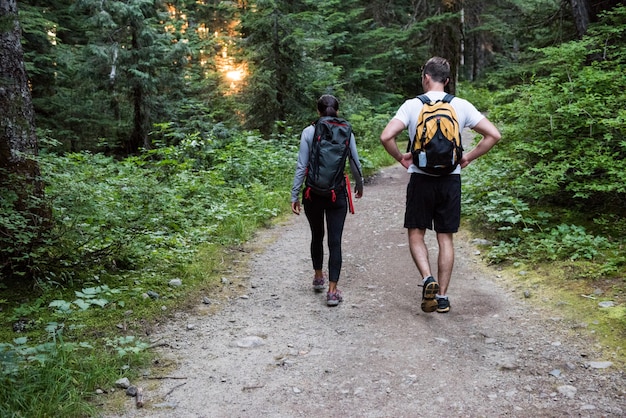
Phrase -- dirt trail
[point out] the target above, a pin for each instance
(277, 350)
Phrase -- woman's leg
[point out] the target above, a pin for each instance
(314, 211)
(335, 220)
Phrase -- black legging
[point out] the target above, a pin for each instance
(315, 207)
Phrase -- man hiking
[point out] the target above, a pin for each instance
(433, 196)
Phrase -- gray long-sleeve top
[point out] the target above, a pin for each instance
(306, 139)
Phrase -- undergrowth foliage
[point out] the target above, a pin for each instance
(161, 205)
(554, 188)
(566, 131)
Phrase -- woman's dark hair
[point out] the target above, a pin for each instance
(328, 105)
(438, 69)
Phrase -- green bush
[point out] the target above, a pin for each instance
(136, 212)
(564, 136)
(554, 188)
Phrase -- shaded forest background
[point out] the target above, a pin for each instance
(134, 97)
(128, 96)
(119, 76)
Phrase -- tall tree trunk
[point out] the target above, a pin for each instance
(281, 76)
(580, 10)
(478, 47)
(447, 40)
(21, 188)
(139, 135)
(18, 140)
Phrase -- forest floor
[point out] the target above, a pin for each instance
(270, 347)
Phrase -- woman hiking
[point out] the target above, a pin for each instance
(320, 201)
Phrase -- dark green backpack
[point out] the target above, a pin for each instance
(327, 157)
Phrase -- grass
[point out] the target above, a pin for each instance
(578, 299)
(56, 373)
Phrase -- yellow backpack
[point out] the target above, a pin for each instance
(437, 147)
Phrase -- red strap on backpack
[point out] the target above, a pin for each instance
(350, 204)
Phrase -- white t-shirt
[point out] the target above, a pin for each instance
(468, 117)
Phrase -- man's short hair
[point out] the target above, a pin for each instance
(438, 69)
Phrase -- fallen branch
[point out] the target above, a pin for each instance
(258, 386)
(172, 389)
(166, 377)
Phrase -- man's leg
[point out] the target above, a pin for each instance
(419, 251)
(446, 222)
(445, 261)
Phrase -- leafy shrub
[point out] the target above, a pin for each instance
(139, 211)
(367, 129)
(568, 242)
(554, 188)
(565, 135)
(23, 225)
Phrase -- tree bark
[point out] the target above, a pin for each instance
(18, 140)
(21, 187)
(587, 11)
(447, 41)
(139, 136)
(580, 10)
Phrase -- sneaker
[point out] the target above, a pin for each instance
(319, 284)
(443, 305)
(429, 293)
(333, 299)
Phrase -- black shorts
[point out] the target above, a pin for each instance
(433, 199)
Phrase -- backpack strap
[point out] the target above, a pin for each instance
(448, 98)
(423, 98)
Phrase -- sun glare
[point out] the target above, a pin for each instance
(234, 75)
